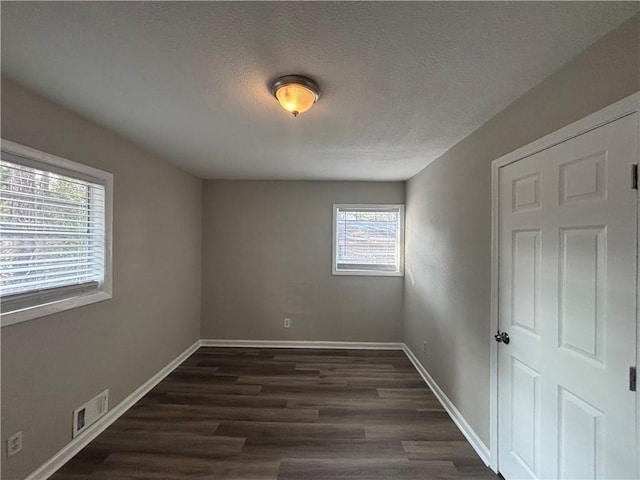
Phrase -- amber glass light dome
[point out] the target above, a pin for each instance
(296, 94)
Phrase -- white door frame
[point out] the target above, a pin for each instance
(622, 108)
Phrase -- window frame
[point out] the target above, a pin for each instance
(35, 158)
(368, 273)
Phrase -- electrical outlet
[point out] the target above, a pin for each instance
(424, 346)
(287, 323)
(14, 444)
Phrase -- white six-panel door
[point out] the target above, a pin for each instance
(567, 299)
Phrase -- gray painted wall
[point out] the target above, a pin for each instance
(54, 364)
(267, 255)
(448, 209)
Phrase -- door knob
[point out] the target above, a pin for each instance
(502, 337)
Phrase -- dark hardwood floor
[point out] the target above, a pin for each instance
(288, 414)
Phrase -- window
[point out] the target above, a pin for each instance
(55, 234)
(368, 240)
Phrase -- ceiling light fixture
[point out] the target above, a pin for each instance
(295, 93)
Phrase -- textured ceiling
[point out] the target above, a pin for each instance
(401, 82)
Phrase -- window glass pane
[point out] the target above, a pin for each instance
(368, 239)
(51, 232)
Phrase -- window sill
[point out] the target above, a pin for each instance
(366, 273)
(11, 318)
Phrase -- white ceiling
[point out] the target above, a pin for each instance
(401, 82)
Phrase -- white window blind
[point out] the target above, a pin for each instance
(368, 239)
(52, 233)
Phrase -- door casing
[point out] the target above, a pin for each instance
(622, 108)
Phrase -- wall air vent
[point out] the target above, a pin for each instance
(90, 412)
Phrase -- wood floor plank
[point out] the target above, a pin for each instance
(62, 475)
(242, 370)
(170, 385)
(342, 367)
(406, 393)
(171, 414)
(306, 391)
(250, 362)
(289, 380)
(365, 469)
(307, 352)
(195, 370)
(290, 430)
(438, 450)
(176, 425)
(336, 359)
(212, 399)
(385, 383)
(277, 414)
(185, 444)
(381, 416)
(175, 467)
(84, 463)
(434, 430)
(314, 448)
(368, 374)
(366, 403)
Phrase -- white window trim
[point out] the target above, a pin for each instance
(367, 273)
(105, 292)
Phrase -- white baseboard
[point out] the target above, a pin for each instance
(478, 445)
(301, 344)
(63, 456)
